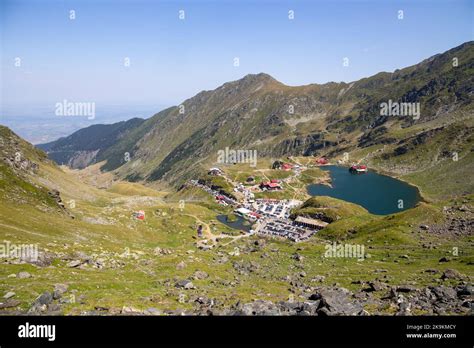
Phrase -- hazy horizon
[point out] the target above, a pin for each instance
(139, 57)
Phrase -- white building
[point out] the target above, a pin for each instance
(242, 211)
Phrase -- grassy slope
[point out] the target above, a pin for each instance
(141, 282)
(429, 164)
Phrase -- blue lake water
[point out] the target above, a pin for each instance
(379, 194)
(239, 224)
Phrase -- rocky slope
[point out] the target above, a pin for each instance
(19, 164)
(87, 145)
(106, 262)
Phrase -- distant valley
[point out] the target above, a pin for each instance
(38, 123)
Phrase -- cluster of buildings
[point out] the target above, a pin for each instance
(220, 197)
(284, 166)
(248, 195)
(247, 214)
(272, 185)
(311, 223)
(270, 216)
(275, 208)
(358, 168)
(267, 208)
(215, 171)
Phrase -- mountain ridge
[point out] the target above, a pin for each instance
(95, 138)
(258, 111)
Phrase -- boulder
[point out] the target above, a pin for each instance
(10, 303)
(44, 299)
(43, 259)
(200, 275)
(130, 310)
(318, 279)
(297, 257)
(8, 295)
(74, 263)
(311, 307)
(41, 303)
(451, 274)
(59, 290)
(185, 284)
(152, 311)
(405, 288)
(431, 270)
(444, 293)
(54, 308)
(181, 265)
(23, 275)
(375, 286)
(259, 307)
(465, 291)
(204, 301)
(159, 251)
(337, 302)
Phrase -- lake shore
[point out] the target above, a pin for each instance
(381, 194)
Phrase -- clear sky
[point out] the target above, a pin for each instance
(82, 59)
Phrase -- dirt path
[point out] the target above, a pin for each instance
(206, 230)
(23, 230)
(234, 238)
(213, 237)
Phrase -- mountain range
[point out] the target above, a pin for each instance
(260, 113)
(107, 245)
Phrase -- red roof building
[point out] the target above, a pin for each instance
(140, 215)
(322, 160)
(358, 168)
(270, 185)
(258, 216)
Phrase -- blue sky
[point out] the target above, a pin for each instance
(172, 59)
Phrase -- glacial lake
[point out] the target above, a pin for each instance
(379, 194)
(239, 224)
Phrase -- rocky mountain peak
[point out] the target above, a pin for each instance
(253, 80)
(260, 77)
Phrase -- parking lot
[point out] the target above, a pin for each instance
(273, 208)
(273, 215)
(284, 229)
